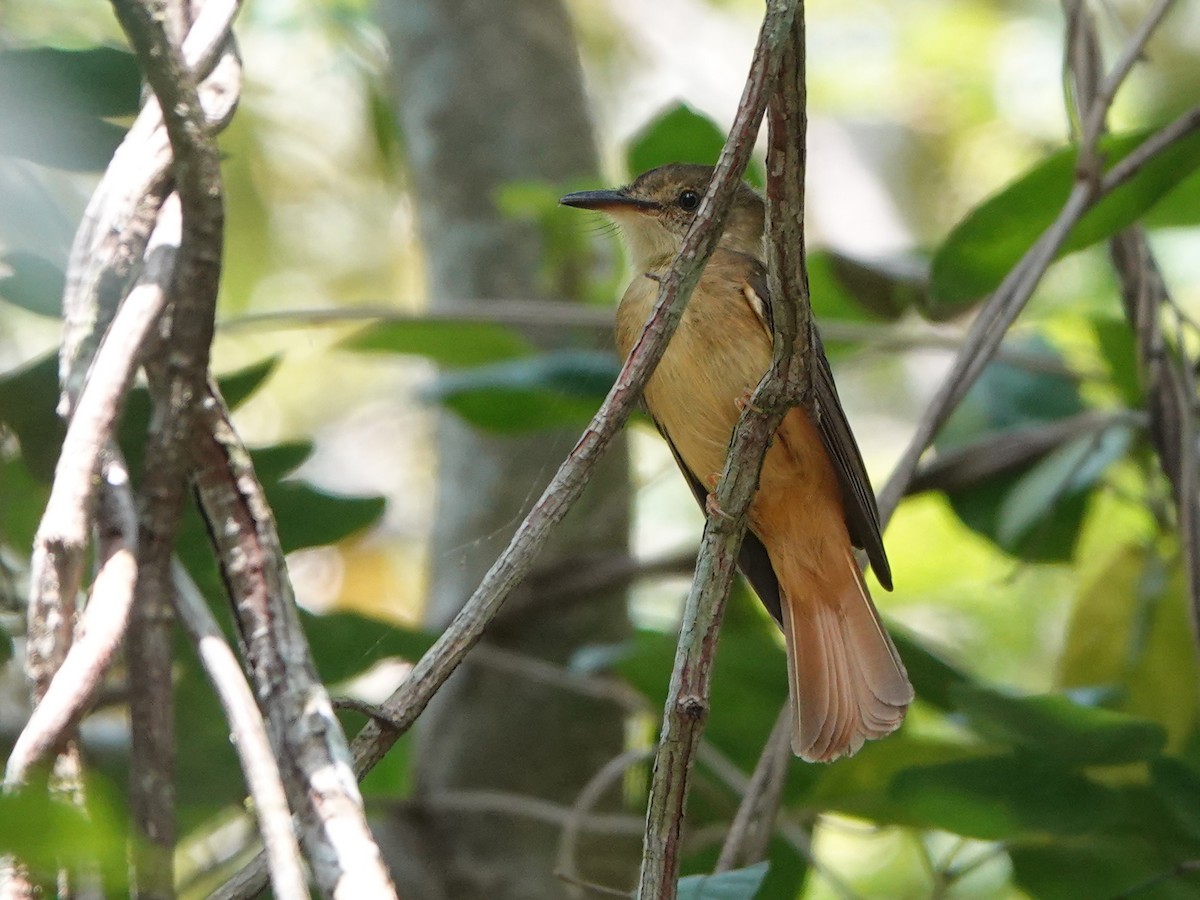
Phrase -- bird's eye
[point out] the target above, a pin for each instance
(689, 200)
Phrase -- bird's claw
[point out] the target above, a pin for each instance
(744, 402)
(713, 508)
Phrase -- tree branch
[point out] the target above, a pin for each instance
(303, 730)
(786, 385)
(183, 371)
(254, 749)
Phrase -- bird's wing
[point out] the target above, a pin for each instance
(752, 558)
(858, 499)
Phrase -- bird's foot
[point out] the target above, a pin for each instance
(744, 402)
(713, 508)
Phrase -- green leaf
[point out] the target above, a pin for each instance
(1006, 398)
(546, 391)
(885, 288)
(100, 81)
(1055, 728)
(237, 387)
(1178, 787)
(1071, 469)
(1130, 630)
(309, 517)
(47, 834)
(448, 343)
(982, 248)
(1103, 866)
(932, 677)
(999, 797)
(1180, 208)
(1119, 350)
(32, 283)
(345, 644)
(28, 398)
(53, 101)
(680, 134)
(738, 884)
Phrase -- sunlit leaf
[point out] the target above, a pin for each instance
(983, 247)
(448, 343)
(1054, 727)
(737, 884)
(32, 283)
(1130, 630)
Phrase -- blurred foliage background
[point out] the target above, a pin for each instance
(1052, 751)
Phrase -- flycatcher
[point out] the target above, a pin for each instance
(814, 502)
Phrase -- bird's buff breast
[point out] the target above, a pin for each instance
(716, 355)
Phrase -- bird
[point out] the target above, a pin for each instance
(813, 503)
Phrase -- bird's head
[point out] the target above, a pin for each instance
(656, 209)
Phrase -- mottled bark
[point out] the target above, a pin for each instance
(488, 95)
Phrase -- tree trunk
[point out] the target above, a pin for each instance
(490, 94)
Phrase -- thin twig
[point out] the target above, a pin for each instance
(1101, 100)
(787, 384)
(254, 749)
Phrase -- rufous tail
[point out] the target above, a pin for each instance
(847, 682)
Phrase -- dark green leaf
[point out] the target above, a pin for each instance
(982, 248)
(859, 785)
(448, 343)
(344, 644)
(237, 387)
(1103, 867)
(738, 884)
(100, 81)
(885, 288)
(998, 797)
(278, 461)
(308, 517)
(1055, 728)
(681, 134)
(32, 283)
(1178, 787)
(28, 398)
(53, 101)
(546, 391)
(933, 678)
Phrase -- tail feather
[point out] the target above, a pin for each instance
(848, 684)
